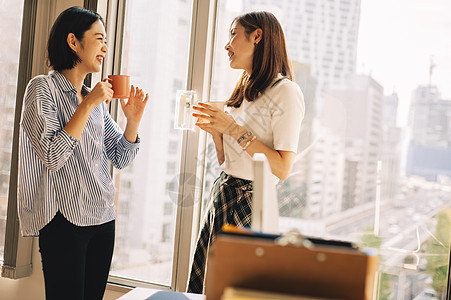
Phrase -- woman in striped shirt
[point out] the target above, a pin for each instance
(67, 140)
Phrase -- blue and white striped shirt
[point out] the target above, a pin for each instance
(58, 172)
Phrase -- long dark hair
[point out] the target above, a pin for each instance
(270, 57)
(74, 20)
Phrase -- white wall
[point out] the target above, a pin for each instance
(31, 287)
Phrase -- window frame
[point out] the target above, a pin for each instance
(193, 145)
(17, 260)
(17, 256)
(200, 56)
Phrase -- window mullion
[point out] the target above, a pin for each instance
(17, 257)
(198, 79)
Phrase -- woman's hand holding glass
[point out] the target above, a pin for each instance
(214, 121)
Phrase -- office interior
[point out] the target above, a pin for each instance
(373, 165)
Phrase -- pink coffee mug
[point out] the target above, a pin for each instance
(121, 85)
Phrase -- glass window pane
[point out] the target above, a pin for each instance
(11, 18)
(155, 55)
(358, 175)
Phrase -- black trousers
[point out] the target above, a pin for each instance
(75, 260)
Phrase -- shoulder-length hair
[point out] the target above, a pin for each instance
(270, 57)
(74, 20)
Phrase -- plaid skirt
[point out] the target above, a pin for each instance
(230, 203)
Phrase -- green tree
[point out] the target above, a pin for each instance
(369, 240)
(438, 251)
(292, 198)
(385, 288)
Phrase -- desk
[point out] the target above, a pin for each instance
(152, 294)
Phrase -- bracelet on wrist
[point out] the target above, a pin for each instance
(249, 142)
(243, 137)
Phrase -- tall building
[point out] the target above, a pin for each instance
(361, 98)
(323, 35)
(320, 33)
(293, 193)
(326, 167)
(429, 153)
(391, 148)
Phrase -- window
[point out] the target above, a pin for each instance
(168, 208)
(10, 17)
(157, 61)
(349, 178)
(171, 167)
(173, 146)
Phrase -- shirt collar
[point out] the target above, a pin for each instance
(66, 85)
(279, 76)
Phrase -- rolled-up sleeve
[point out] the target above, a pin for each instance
(42, 126)
(120, 151)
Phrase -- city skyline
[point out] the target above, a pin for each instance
(398, 39)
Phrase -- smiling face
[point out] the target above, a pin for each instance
(91, 49)
(240, 48)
